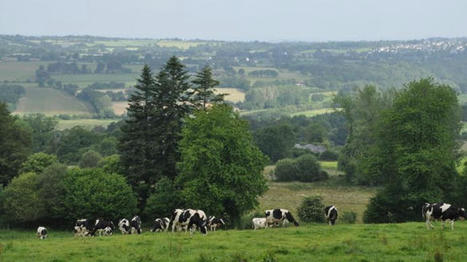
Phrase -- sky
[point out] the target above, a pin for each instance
(239, 20)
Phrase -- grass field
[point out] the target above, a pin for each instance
(314, 112)
(233, 94)
(18, 71)
(50, 101)
(375, 242)
(86, 123)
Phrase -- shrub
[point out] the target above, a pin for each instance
(95, 193)
(38, 162)
(51, 188)
(286, 170)
(328, 156)
(245, 220)
(348, 217)
(21, 200)
(163, 201)
(311, 209)
(304, 168)
(90, 159)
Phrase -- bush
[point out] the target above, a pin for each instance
(37, 162)
(328, 156)
(163, 201)
(90, 159)
(94, 193)
(311, 209)
(348, 217)
(51, 188)
(304, 168)
(245, 220)
(21, 200)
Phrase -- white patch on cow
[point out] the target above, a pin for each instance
(122, 224)
(329, 211)
(259, 222)
(40, 232)
(444, 207)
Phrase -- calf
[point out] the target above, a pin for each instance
(124, 226)
(259, 222)
(135, 225)
(83, 227)
(161, 224)
(331, 214)
(214, 223)
(443, 212)
(41, 232)
(101, 225)
(277, 216)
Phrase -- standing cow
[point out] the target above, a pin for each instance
(258, 222)
(214, 223)
(279, 216)
(41, 232)
(135, 225)
(161, 224)
(83, 227)
(101, 226)
(443, 212)
(124, 226)
(189, 219)
(330, 213)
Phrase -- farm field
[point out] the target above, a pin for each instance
(18, 71)
(312, 242)
(51, 101)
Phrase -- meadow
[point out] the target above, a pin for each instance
(310, 242)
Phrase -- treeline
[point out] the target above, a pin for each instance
(10, 94)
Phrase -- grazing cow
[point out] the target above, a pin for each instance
(41, 232)
(107, 231)
(135, 225)
(214, 223)
(443, 212)
(259, 222)
(124, 226)
(189, 219)
(83, 227)
(331, 214)
(161, 224)
(277, 216)
(101, 225)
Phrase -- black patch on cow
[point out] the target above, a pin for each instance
(43, 232)
(200, 223)
(277, 214)
(289, 217)
(136, 224)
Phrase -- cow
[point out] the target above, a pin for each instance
(161, 224)
(258, 222)
(214, 223)
(83, 227)
(443, 212)
(107, 231)
(330, 213)
(41, 232)
(124, 226)
(135, 225)
(276, 216)
(189, 219)
(101, 225)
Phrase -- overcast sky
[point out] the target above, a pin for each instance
(246, 20)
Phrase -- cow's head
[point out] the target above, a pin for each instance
(203, 228)
(462, 213)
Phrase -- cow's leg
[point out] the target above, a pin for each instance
(452, 224)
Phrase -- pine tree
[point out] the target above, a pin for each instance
(136, 144)
(203, 89)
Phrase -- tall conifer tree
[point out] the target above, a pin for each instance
(203, 89)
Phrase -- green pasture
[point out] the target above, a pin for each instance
(312, 242)
(18, 71)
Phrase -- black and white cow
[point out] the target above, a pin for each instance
(41, 232)
(83, 227)
(124, 226)
(279, 216)
(258, 222)
(189, 219)
(135, 225)
(214, 223)
(443, 212)
(101, 226)
(330, 212)
(161, 224)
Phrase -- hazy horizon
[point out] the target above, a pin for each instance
(242, 20)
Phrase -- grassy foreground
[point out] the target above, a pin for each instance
(381, 242)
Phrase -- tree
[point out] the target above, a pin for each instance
(203, 89)
(90, 159)
(38, 162)
(275, 141)
(164, 199)
(51, 189)
(42, 131)
(416, 151)
(74, 142)
(220, 167)
(94, 193)
(15, 143)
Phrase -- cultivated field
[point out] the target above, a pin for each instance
(51, 101)
(375, 242)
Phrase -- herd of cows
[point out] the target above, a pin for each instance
(193, 220)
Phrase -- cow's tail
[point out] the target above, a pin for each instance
(289, 217)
